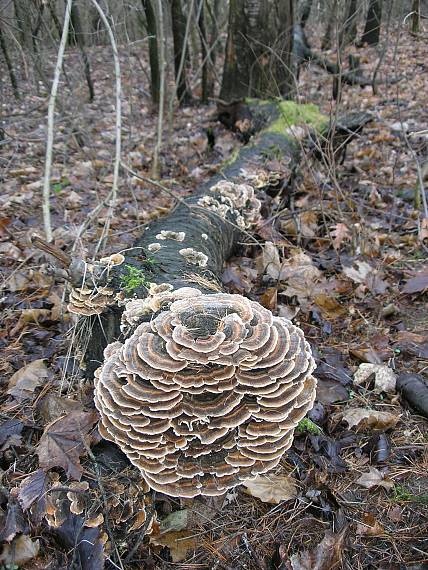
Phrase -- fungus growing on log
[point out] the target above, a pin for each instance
(207, 394)
(204, 389)
(86, 302)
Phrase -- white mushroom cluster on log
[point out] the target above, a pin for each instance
(207, 394)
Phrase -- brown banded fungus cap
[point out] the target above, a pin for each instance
(207, 394)
(84, 301)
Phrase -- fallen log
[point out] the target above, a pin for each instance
(302, 52)
(200, 389)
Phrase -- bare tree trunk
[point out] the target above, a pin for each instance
(306, 12)
(12, 76)
(204, 51)
(37, 27)
(258, 49)
(213, 11)
(54, 17)
(79, 39)
(327, 42)
(162, 73)
(373, 22)
(153, 49)
(22, 16)
(416, 16)
(180, 47)
(349, 30)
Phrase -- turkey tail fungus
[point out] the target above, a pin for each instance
(207, 394)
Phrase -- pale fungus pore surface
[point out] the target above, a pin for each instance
(154, 247)
(194, 257)
(207, 394)
(86, 302)
(235, 200)
(168, 234)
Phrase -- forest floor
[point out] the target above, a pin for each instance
(347, 260)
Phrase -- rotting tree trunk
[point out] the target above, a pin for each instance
(206, 232)
(258, 50)
(181, 54)
(373, 22)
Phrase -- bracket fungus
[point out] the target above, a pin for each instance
(206, 394)
(194, 257)
(86, 302)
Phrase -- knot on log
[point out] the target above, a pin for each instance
(207, 394)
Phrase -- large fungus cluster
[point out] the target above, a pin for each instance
(236, 200)
(207, 394)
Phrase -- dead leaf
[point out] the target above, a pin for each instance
(178, 542)
(8, 249)
(20, 551)
(271, 488)
(309, 224)
(369, 419)
(10, 429)
(301, 277)
(417, 284)
(363, 273)
(23, 383)
(271, 262)
(32, 489)
(423, 230)
(385, 377)
(330, 307)
(325, 556)
(369, 526)
(87, 542)
(15, 522)
(396, 514)
(414, 389)
(374, 478)
(269, 298)
(52, 406)
(329, 391)
(62, 442)
(178, 520)
(340, 233)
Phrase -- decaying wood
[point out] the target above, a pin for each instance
(205, 231)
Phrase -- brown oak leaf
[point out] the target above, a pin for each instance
(63, 442)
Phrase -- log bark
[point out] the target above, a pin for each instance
(205, 231)
(213, 235)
